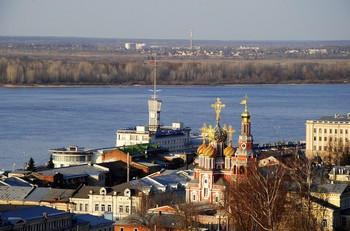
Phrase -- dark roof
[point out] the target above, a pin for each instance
(85, 190)
(33, 213)
(74, 171)
(336, 118)
(15, 181)
(8, 207)
(95, 221)
(119, 189)
(37, 194)
(118, 167)
(61, 195)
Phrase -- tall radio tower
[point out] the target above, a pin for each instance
(191, 39)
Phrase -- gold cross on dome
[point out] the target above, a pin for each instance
(204, 131)
(218, 106)
(211, 132)
(230, 132)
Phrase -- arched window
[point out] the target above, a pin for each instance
(234, 169)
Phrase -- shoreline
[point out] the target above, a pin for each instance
(161, 85)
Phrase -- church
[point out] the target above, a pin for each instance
(219, 163)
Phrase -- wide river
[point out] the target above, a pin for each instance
(33, 120)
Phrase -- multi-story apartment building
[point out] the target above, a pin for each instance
(328, 134)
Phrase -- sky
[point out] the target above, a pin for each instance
(173, 19)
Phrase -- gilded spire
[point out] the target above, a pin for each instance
(218, 106)
(245, 102)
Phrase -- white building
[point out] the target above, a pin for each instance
(326, 133)
(69, 156)
(113, 203)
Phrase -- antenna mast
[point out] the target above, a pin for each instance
(191, 39)
(155, 80)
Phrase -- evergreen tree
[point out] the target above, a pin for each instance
(49, 163)
(31, 165)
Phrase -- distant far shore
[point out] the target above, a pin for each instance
(146, 85)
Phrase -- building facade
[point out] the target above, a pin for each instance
(219, 163)
(113, 203)
(73, 155)
(328, 134)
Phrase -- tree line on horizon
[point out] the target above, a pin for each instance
(200, 72)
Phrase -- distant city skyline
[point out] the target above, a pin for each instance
(161, 19)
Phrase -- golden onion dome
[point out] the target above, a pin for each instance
(220, 134)
(245, 114)
(229, 151)
(209, 151)
(201, 148)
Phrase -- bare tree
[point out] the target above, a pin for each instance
(258, 202)
(188, 213)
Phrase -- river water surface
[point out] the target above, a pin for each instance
(33, 120)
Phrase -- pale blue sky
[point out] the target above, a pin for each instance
(165, 19)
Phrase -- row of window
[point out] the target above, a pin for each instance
(326, 148)
(72, 158)
(103, 208)
(205, 195)
(133, 137)
(330, 131)
(174, 141)
(331, 139)
(81, 207)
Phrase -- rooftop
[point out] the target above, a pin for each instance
(74, 171)
(18, 193)
(33, 213)
(14, 181)
(142, 149)
(94, 221)
(71, 150)
(336, 118)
